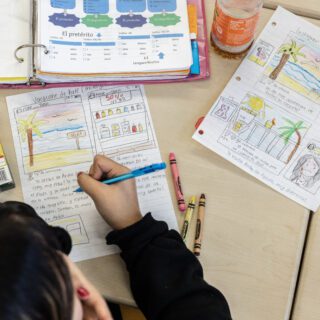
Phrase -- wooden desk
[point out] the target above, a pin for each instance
(253, 235)
(308, 295)
(307, 8)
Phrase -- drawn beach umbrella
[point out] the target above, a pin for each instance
(289, 51)
(27, 128)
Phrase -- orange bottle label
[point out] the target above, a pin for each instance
(232, 31)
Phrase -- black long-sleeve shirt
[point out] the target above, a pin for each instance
(166, 278)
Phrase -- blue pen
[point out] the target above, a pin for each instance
(133, 174)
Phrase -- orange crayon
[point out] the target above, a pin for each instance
(199, 228)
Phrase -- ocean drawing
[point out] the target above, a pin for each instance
(53, 136)
(296, 65)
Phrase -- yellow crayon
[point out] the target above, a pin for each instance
(187, 217)
(199, 228)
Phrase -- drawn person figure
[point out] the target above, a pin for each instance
(306, 171)
(261, 53)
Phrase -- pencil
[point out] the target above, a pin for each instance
(199, 227)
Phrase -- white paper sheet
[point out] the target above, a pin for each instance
(114, 36)
(267, 119)
(69, 126)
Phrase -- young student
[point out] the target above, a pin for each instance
(39, 281)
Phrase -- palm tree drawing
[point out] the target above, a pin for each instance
(288, 50)
(27, 127)
(289, 131)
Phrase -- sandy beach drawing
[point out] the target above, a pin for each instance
(53, 136)
(296, 65)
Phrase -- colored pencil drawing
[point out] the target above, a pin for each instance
(224, 109)
(27, 129)
(75, 227)
(261, 53)
(296, 65)
(53, 135)
(267, 127)
(305, 170)
(120, 121)
(288, 131)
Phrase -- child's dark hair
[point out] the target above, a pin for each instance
(34, 279)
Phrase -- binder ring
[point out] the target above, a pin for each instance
(20, 60)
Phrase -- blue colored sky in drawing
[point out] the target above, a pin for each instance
(58, 120)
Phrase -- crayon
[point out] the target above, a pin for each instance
(187, 218)
(199, 227)
(177, 182)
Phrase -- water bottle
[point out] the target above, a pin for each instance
(234, 25)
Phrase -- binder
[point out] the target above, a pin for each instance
(36, 83)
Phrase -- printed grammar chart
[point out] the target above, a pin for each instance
(267, 119)
(95, 36)
(56, 134)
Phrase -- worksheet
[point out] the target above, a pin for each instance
(57, 133)
(267, 119)
(94, 36)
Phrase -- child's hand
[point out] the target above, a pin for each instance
(117, 203)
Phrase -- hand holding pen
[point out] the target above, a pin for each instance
(118, 203)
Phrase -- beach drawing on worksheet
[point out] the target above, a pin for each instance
(267, 119)
(57, 133)
(53, 134)
(296, 65)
